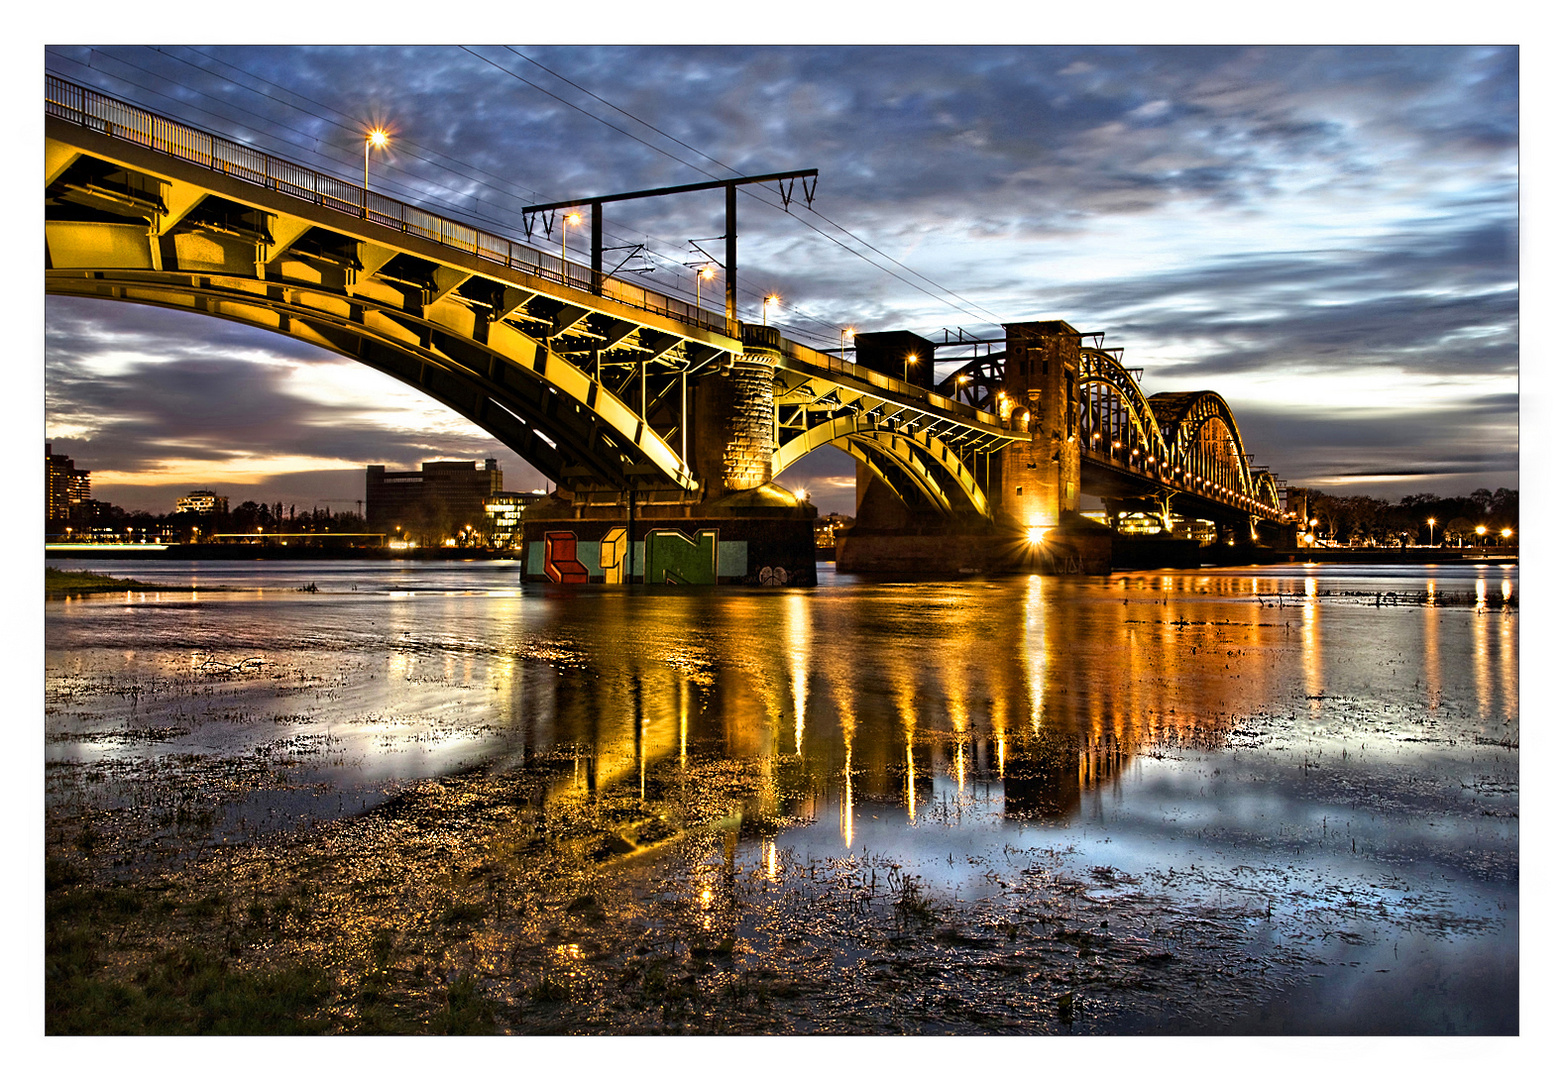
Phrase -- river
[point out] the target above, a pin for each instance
(1290, 793)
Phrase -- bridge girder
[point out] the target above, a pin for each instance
(1191, 422)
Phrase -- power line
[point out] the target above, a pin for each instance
(729, 168)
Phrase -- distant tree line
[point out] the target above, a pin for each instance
(1364, 520)
(250, 518)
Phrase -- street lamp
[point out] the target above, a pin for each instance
(377, 139)
(1430, 522)
(705, 273)
(765, 309)
(849, 332)
(564, 237)
(1481, 534)
(1505, 533)
(906, 368)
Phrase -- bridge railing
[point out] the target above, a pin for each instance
(121, 120)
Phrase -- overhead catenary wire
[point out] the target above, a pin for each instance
(728, 168)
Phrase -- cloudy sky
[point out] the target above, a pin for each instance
(1328, 237)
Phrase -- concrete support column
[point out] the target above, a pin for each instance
(735, 417)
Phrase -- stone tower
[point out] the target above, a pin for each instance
(1040, 478)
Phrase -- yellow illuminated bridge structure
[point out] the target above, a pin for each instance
(586, 376)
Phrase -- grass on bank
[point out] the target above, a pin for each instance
(76, 582)
(185, 990)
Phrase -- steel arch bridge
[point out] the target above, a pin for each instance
(1182, 444)
(587, 377)
(596, 381)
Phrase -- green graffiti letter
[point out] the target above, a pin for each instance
(674, 559)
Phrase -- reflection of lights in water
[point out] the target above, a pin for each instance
(911, 785)
(1001, 755)
(1432, 590)
(1431, 660)
(1508, 673)
(846, 799)
(1312, 651)
(960, 767)
(706, 896)
(1480, 628)
(1481, 592)
(683, 723)
(1036, 650)
(768, 858)
(1508, 590)
(798, 641)
(568, 952)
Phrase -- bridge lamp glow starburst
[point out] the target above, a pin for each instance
(375, 139)
(572, 218)
(1035, 535)
(771, 301)
(705, 273)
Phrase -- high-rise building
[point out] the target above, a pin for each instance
(443, 500)
(66, 488)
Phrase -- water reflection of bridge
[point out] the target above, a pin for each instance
(876, 698)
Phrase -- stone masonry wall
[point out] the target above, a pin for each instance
(735, 416)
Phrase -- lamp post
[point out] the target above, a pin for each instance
(1481, 534)
(377, 139)
(564, 237)
(1430, 522)
(765, 309)
(906, 367)
(849, 332)
(706, 273)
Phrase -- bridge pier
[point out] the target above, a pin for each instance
(1032, 484)
(739, 528)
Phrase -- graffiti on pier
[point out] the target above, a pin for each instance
(615, 548)
(559, 561)
(674, 559)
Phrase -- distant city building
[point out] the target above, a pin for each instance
(202, 502)
(443, 501)
(826, 528)
(504, 509)
(66, 488)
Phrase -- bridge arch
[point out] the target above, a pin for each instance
(1129, 430)
(934, 469)
(530, 398)
(1203, 439)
